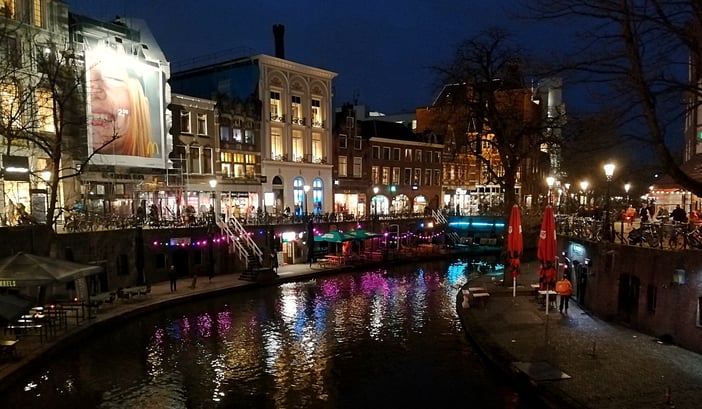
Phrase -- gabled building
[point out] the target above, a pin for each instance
(295, 124)
(404, 169)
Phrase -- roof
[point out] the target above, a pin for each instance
(388, 130)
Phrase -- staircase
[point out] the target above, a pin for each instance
(241, 244)
(440, 219)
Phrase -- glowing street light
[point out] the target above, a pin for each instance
(550, 181)
(627, 186)
(306, 188)
(609, 172)
(583, 186)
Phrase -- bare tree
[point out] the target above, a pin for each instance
(46, 116)
(496, 121)
(637, 56)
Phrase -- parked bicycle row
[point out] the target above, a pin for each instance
(655, 234)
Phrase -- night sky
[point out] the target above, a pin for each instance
(383, 51)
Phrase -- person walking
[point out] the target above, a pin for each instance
(679, 215)
(564, 289)
(172, 277)
(644, 213)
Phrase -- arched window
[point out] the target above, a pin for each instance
(299, 196)
(317, 196)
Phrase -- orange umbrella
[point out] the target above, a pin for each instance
(546, 252)
(515, 244)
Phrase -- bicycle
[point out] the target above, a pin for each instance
(648, 233)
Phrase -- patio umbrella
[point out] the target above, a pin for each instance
(360, 234)
(546, 251)
(515, 245)
(26, 270)
(12, 307)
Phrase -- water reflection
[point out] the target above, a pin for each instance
(376, 338)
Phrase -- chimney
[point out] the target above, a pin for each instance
(278, 33)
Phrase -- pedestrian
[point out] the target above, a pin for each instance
(172, 277)
(274, 262)
(630, 214)
(679, 215)
(644, 213)
(564, 289)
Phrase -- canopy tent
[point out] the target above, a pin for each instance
(360, 234)
(26, 270)
(333, 237)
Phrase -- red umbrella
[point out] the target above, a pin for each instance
(515, 244)
(546, 252)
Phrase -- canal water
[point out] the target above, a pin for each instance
(385, 338)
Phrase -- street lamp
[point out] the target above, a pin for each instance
(550, 181)
(609, 172)
(306, 188)
(583, 186)
(627, 186)
(213, 198)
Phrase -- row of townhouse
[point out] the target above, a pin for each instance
(248, 135)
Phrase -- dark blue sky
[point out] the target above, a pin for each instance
(382, 50)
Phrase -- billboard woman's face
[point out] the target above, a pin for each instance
(110, 104)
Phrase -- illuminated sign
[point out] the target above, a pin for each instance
(8, 283)
(124, 109)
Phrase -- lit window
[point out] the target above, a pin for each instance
(38, 13)
(276, 109)
(317, 150)
(45, 112)
(7, 8)
(296, 110)
(297, 147)
(385, 176)
(225, 133)
(9, 105)
(375, 175)
(276, 144)
(357, 166)
(317, 113)
(395, 176)
(343, 166)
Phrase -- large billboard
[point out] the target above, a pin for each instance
(125, 109)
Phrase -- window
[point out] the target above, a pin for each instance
(207, 161)
(395, 176)
(194, 160)
(428, 157)
(297, 147)
(185, 122)
(385, 176)
(418, 155)
(225, 133)
(357, 166)
(276, 144)
(201, 124)
(343, 166)
(317, 195)
(437, 177)
(7, 8)
(342, 141)
(357, 143)
(249, 137)
(276, 109)
(417, 178)
(237, 136)
(299, 195)
(316, 113)
(38, 13)
(386, 153)
(407, 177)
(45, 113)
(437, 156)
(376, 152)
(408, 155)
(296, 110)
(395, 153)
(375, 175)
(317, 151)
(427, 177)
(9, 52)
(9, 105)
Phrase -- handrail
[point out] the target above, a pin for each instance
(242, 234)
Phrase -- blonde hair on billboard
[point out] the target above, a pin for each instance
(137, 141)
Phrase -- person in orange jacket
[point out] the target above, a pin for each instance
(564, 289)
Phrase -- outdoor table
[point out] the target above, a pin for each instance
(323, 262)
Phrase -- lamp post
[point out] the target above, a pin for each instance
(583, 186)
(306, 189)
(213, 221)
(627, 186)
(609, 172)
(550, 181)
(567, 196)
(213, 199)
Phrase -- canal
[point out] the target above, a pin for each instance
(385, 338)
